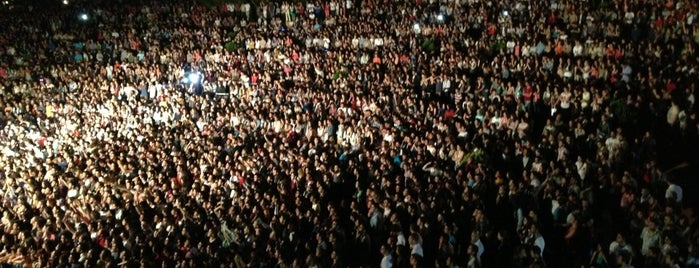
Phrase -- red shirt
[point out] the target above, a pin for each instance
(619, 53)
(254, 78)
(659, 22)
(670, 87)
(42, 141)
(491, 30)
(528, 92)
(449, 114)
(135, 44)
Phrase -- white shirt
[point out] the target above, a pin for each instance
(582, 169)
(539, 242)
(417, 249)
(387, 261)
(378, 42)
(577, 50)
(400, 240)
(676, 190)
(480, 247)
(672, 114)
(614, 246)
(629, 16)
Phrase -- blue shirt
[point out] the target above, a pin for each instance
(540, 48)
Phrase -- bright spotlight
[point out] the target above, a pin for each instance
(193, 77)
(440, 17)
(505, 13)
(83, 17)
(65, 2)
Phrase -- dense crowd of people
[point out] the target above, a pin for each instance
(374, 133)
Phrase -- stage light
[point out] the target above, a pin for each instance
(83, 17)
(505, 13)
(440, 17)
(193, 78)
(65, 2)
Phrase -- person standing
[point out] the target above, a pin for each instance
(387, 259)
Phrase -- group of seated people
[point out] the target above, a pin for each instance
(357, 133)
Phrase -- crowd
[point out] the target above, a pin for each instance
(357, 133)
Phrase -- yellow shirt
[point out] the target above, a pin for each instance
(49, 111)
